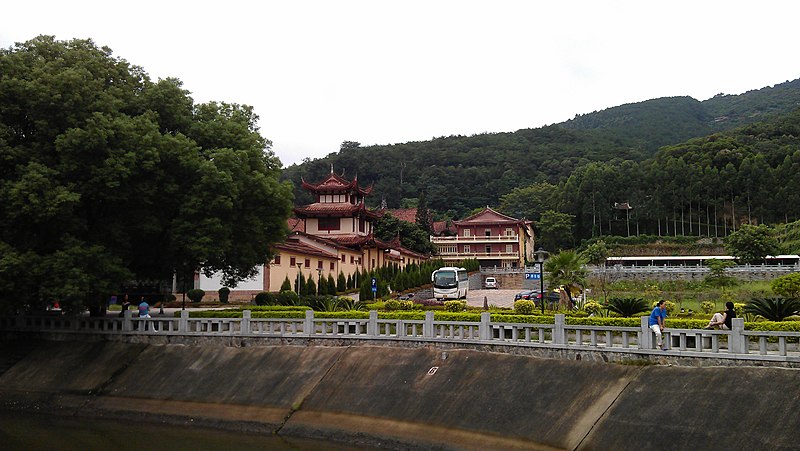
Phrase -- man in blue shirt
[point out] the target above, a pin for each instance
(656, 322)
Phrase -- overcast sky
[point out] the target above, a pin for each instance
(382, 72)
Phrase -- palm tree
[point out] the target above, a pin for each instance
(773, 309)
(627, 307)
(566, 270)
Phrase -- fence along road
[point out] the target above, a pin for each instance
(716, 347)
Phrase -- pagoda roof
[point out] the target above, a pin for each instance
(334, 209)
(336, 184)
(293, 245)
(487, 216)
(403, 214)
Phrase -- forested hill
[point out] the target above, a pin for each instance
(460, 173)
(659, 122)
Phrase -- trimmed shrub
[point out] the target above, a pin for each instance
(262, 298)
(455, 306)
(592, 308)
(524, 307)
(707, 306)
(195, 295)
(224, 293)
(392, 304)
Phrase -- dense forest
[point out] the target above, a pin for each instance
(671, 166)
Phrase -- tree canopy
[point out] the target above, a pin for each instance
(108, 177)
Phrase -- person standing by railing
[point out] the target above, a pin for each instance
(144, 309)
(656, 323)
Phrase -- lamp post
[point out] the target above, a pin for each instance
(299, 269)
(319, 280)
(541, 256)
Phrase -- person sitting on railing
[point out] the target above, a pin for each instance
(656, 322)
(144, 309)
(723, 320)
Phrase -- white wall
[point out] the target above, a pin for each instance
(214, 283)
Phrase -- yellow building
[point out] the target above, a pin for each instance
(330, 236)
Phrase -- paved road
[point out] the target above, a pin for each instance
(500, 298)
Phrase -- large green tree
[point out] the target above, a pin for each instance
(108, 177)
(750, 244)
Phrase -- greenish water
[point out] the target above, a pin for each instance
(29, 432)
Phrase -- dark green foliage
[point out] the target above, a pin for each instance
(310, 288)
(750, 244)
(412, 236)
(627, 307)
(773, 309)
(341, 283)
(263, 298)
(224, 293)
(195, 294)
(331, 285)
(286, 285)
(108, 177)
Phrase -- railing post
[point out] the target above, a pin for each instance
(485, 329)
(245, 322)
(183, 324)
(736, 340)
(647, 336)
(372, 325)
(308, 324)
(127, 324)
(559, 334)
(427, 328)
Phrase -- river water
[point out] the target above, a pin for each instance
(31, 432)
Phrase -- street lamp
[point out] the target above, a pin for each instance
(319, 280)
(541, 256)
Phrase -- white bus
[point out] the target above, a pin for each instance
(450, 283)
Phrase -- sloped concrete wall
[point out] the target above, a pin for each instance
(410, 397)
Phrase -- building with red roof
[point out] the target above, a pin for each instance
(492, 238)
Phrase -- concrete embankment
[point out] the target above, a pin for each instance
(408, 397)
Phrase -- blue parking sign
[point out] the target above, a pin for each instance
(532, 276)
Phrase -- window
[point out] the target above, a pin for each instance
(466, 249)
(352, 260)
(344, 257)
(361, 225)
(277, 259)
(333, 265)
(448, 249)
(292, 261)
(509, 232)
(509, 248)
(488, 248)
(319, 264)
(307, 263)
(487, 232)
(466, 232)
(329, 224)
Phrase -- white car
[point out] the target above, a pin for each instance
(490, 282)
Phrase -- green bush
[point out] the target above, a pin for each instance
(628, 307)
(455, 306)
(224, 293)
(592, 308)
(392, 304)
(707, 306)
(195, 295)
(524, 307)
(263, 298)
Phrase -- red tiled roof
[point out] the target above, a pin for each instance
(403, 214)
(333, 209)
(296, 225)
(440, 227)
(302, 248)
(335, 184)
(488, 216)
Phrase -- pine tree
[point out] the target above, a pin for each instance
(423, 218)
(286, 285)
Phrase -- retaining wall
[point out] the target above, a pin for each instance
(405, 397)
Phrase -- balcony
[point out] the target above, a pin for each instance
(475, 239)
(480, 255)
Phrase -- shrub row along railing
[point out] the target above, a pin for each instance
(737, 342)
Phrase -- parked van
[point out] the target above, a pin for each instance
(490, 283)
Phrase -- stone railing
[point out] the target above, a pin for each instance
(736, 343)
